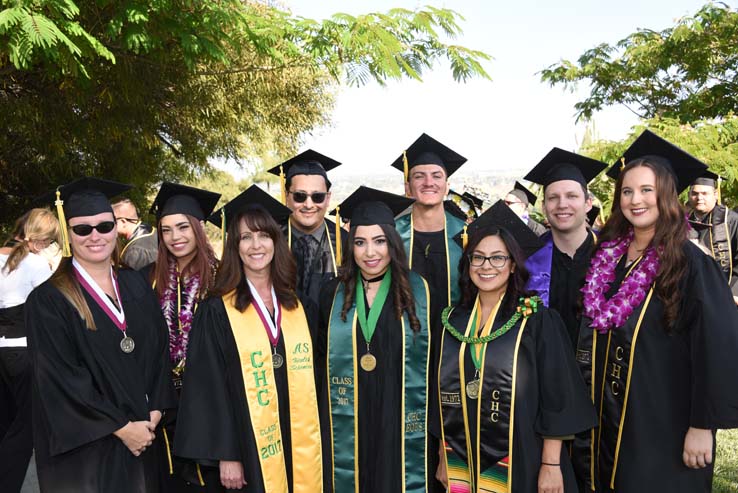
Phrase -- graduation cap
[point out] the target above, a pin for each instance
(181, 199)
(309, 162)
(83, 197)
(592, 215)
(559, 165)
(525, 195)
(250, 199)
(427, 150)
(460, 206)
(683, 166)
(478, 203)
(710, 179)
(501, 216)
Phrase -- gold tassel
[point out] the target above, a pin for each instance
(339, 253)
(223, 232)
(622, 163)
(282, 182)
(464, 238)
(169, 452)
(719, 181)
(66, 250)
(405, 166)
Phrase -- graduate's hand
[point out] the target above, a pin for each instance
(154, 419)
(697, 448)
(441, 472)
(136, 436)
(550, 479)
(231, 474)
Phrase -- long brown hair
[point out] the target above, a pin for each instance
(402, 294)
(515, 283)
(39, 225)
(65, 281)
(283, 270)
(203, 263)
(669, 237)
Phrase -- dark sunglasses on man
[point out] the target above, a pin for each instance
(316, 197)
(86, 229)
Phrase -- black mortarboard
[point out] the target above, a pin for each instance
(501, 216)
(592, 214)
(83, 197)
(559, 165)
(530, 197)
(309, 162)
(368, 206)
(478, 203)
(427, 150)
(181, 199)
(251, 197)
(460, 206)
(708, 178)
(683, 166)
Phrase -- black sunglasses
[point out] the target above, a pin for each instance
(85, 229)
(316, 197)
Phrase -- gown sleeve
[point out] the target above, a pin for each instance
(564, 406)
(206, 428)
(76, 413)
(711, 317)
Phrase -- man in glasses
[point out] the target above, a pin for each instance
(518, 199)
(311, 237)
(141, 242)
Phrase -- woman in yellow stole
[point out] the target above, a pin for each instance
(248, 399)
(509, 388)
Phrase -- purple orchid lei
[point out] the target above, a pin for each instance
(609, 314)
(179, 324)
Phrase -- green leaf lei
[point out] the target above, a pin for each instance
(526, 308)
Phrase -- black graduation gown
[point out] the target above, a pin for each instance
(213, 422)
(550, 398)
(678, 380)
(380, 404)
(567, 279)
(85, 388)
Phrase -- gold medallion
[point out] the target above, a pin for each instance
(277, 360)
(472, 389)
(368, 362)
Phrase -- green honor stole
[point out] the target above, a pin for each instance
(343, 368)
(255, 353)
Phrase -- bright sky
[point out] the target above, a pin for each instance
(510, 122)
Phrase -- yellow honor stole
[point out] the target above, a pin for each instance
(255, 353)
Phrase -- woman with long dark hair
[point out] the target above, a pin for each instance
(182, 275)
(21, 270)
(509, 389)
(375, 340)
(248, 403)
(658, 339)
(99, 356)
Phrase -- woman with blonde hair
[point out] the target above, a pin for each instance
(21, 270)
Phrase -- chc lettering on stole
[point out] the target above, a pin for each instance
(616, 370)
(342, 382)
(495, 407)
(260, 379)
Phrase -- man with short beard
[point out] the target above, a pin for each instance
(311, 237)
(716, 225)
(558, 269)
(141, 241)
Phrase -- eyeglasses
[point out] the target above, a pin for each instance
(496, 261)
(124, 220)
(316, 197)
(85, 229)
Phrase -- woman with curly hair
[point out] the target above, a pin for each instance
(182, 276)
(375, 340)
(658, 339)
(249, 405)
(509, 388)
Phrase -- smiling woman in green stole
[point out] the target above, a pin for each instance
(509, 388)
(248, 402)
(375, 331)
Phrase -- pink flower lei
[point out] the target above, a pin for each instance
(609, 314)
(179, 324)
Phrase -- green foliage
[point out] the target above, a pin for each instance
(142, 91)
(726, 462)
(688, 71)
(714, 143)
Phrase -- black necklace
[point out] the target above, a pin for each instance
(366, 281)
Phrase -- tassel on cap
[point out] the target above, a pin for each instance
(223, 232)
(405, 167)
(66, 250)
(282, 185)
(464, 238)
(719, 181)
(339, 253)
(622, 163)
